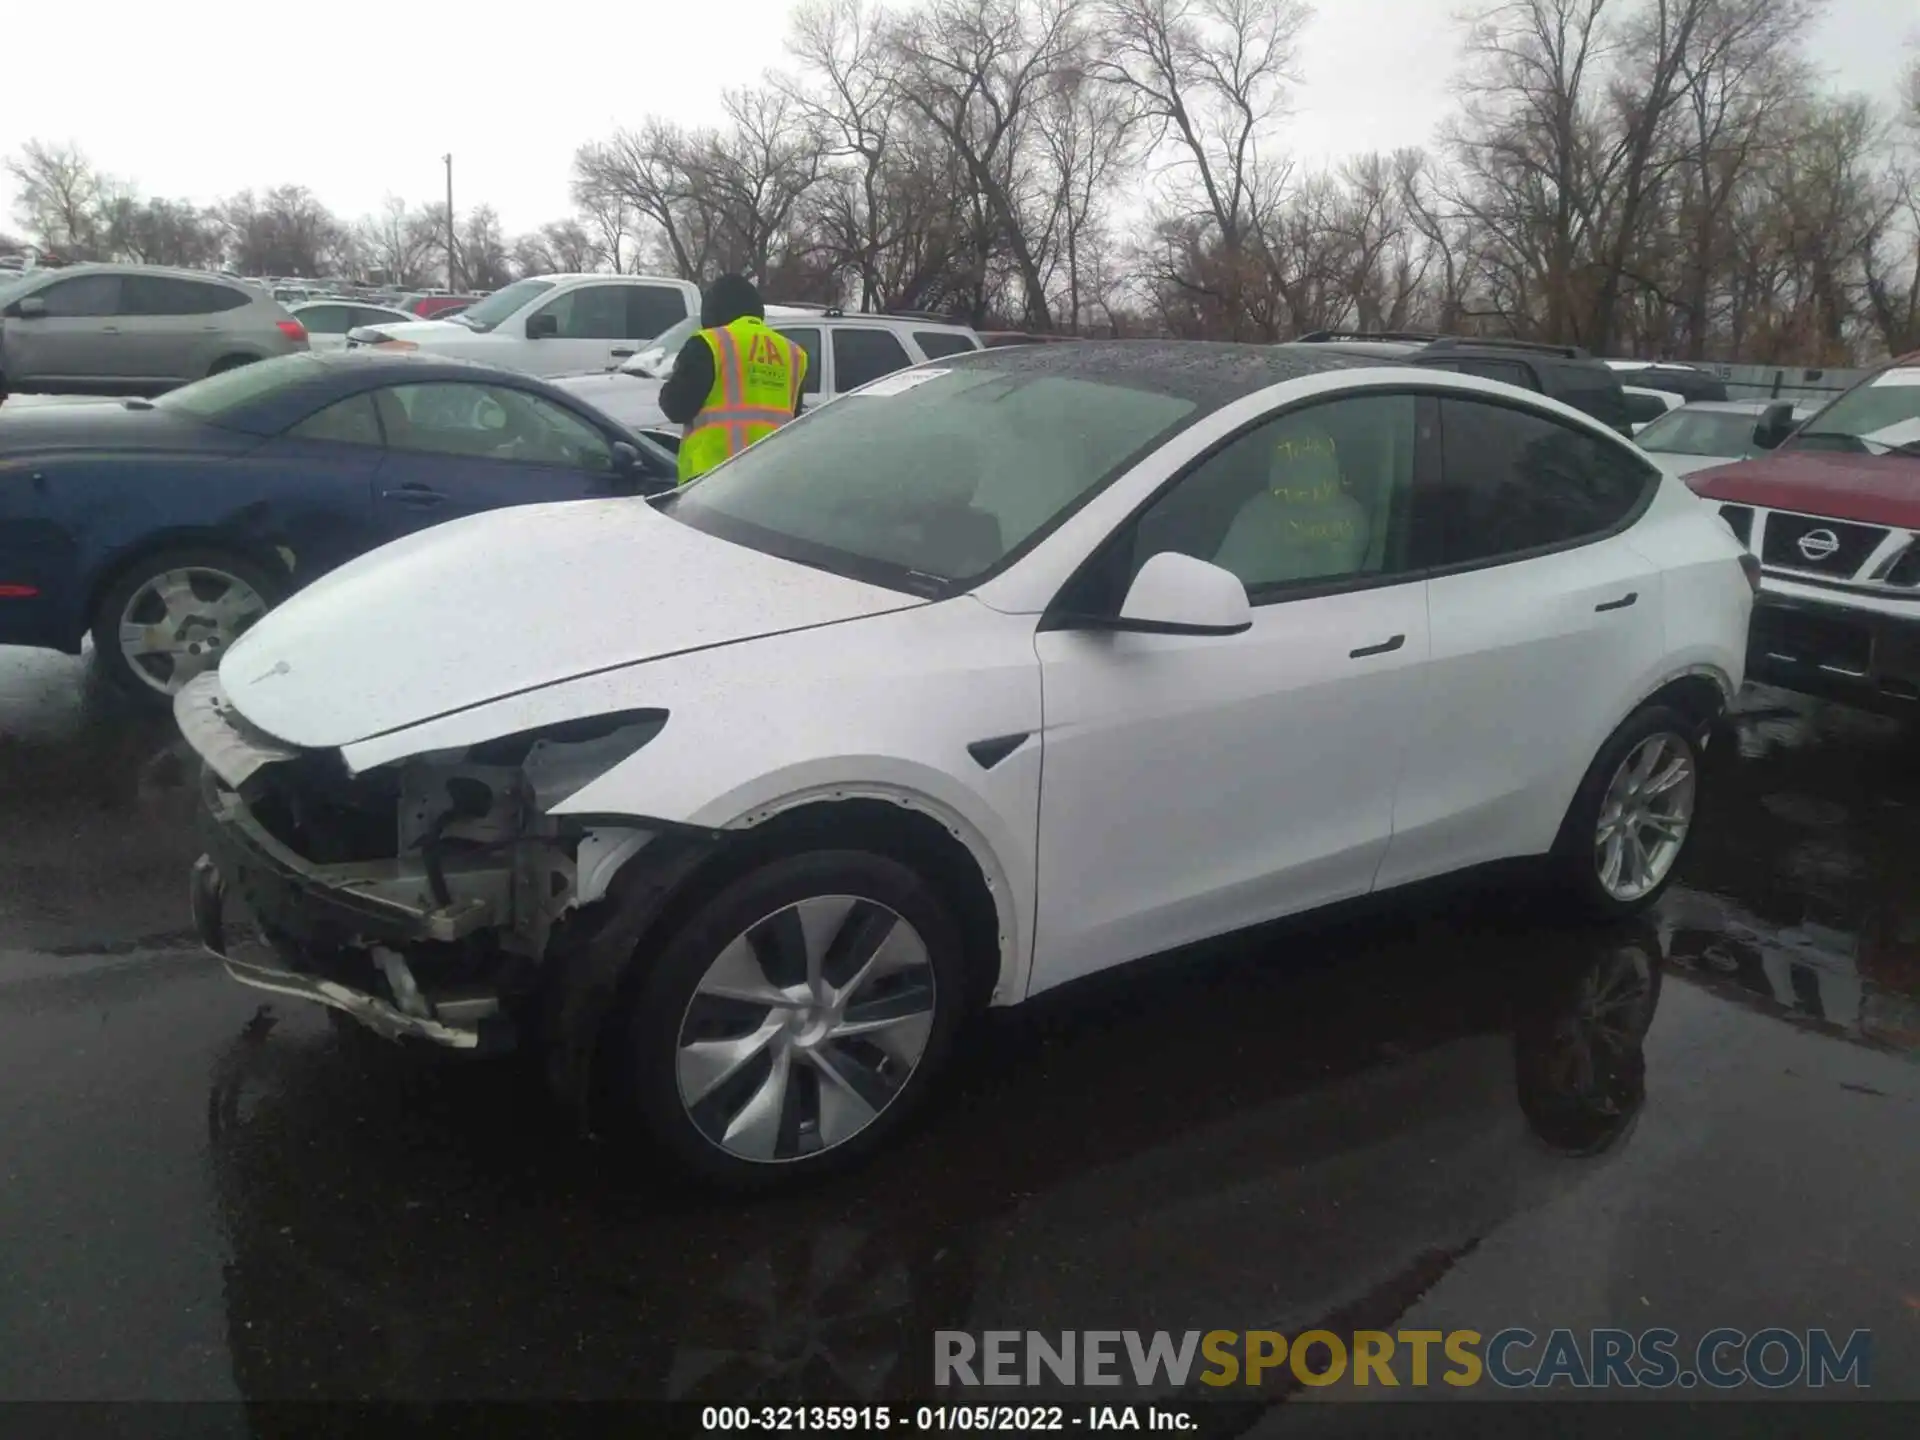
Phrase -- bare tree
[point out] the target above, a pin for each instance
(1210, 78)
(400, 244)
(59, 200)
(977, 71)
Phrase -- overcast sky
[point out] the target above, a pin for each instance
(201, 98)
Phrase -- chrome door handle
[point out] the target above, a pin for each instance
(1622, 603)
(418, 495)
(1385, 647)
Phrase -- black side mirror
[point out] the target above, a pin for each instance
(1775, 425)
(542, 326)
(626, 458)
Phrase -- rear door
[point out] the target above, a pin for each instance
(176, 329)
(807, 337)
(1544, 619)
(327, 325)
(460, 448)
(78, 340)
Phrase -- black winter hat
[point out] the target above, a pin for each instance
(727, 299)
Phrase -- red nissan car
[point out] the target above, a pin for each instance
(1833, 513)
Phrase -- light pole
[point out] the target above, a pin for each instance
(453, 287)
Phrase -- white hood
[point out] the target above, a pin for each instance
(633, 400)
(418, 331)
(512, 600)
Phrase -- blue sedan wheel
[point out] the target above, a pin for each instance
(174, 617)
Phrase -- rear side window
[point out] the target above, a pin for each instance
(863, 355)
(1507, 372)
(1512, 482)
(652, 309)
(808, 339)
(935, 343)
(328, 319)
(168, 295)
(1594, 390)
(352, 421)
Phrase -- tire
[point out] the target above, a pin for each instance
(200, 615)
(700, 1072)
(1584, 857)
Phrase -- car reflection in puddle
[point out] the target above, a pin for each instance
(1299, 1127)
(1797, 895)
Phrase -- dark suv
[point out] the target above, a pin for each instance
(1563, 372)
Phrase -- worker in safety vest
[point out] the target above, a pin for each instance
(734, 381)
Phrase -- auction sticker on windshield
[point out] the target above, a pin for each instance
(900, 382)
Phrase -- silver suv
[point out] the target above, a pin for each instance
(844, 352)
(133, 329)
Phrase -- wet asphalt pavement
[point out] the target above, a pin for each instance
(1351, 1123)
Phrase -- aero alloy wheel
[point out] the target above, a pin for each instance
(1644, 816)
(805, 1028)
(180, 622)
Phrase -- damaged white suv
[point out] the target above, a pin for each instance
(733, 802)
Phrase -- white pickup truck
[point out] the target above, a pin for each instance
(549, 324)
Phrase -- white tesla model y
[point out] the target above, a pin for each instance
(1007, 669)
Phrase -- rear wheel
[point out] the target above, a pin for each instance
(795, 1020)
(170, 616)
(1630, 820)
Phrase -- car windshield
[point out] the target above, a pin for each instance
(656, 360)
(1687, 431)
(1879, 417)
(930, 477)
(12, 287)
(218, 396)
(502, 303)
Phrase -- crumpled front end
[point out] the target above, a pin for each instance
(426, 898)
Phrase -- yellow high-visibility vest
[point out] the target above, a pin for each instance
(757, 375)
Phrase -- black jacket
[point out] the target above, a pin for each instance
(687, 388)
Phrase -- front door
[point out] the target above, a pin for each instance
(1195, 785)
(77, 341)
(1545, 619)
(460, 448)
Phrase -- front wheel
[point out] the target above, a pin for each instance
(795, 1020)
(1629, 821)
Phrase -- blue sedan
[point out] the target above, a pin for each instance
(166, 527)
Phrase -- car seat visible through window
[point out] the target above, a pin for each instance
(1302, 524)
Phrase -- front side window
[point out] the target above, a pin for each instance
(83, 296)
(935, 479)
(592, 312)
(352, 421)
(1315, 496)
(1512, 482)
(807, 337)
(490, 422)
(863, 355)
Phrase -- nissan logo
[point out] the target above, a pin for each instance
(1819, 544)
